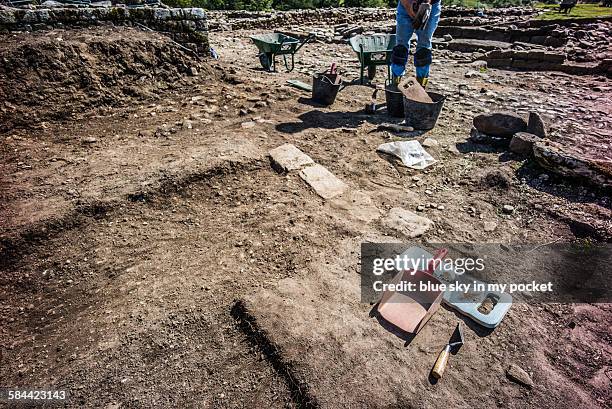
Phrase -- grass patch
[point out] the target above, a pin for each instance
(580, 11)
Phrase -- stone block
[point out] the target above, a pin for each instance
(322, 181)
(287, 157)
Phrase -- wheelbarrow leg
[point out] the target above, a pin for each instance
(287, 64)
(362, 63)
(292, 62)
(361, 74)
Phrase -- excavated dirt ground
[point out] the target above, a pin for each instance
(151, 257)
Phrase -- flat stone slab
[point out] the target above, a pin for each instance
(323, 181)
(407, 223)
(287, 158)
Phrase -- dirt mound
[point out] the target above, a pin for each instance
(65, 72)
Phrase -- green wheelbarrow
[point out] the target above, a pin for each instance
(373, 50)
(272, 44)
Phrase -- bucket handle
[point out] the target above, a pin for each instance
(323, 77)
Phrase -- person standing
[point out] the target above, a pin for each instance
(420, 17)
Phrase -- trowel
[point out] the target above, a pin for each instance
(372, 107)
(454, 344)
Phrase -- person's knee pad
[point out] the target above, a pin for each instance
(399, 55)
(422, 57)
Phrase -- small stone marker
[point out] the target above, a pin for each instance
(518, 375)
(323, 181)
(287, 158)
(406, 222)
(430, 143)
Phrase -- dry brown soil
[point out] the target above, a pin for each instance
(151, 257)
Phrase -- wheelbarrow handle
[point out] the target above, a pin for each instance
(310, 37)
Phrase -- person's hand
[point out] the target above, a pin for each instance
(409, 7)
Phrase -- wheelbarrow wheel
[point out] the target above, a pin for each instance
(265, 61)
(371, 72)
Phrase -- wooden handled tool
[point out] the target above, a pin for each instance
(440, 365)
(456, 341)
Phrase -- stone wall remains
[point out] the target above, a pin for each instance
(187, 26)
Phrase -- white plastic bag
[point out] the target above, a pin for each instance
(411, 153)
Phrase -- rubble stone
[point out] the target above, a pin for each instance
(522, 143)
(518, 375)
(490, 226)
(502, 124)
(430, 143)
(535, 125)
(553, 157)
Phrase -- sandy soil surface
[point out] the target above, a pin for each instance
(151, 257)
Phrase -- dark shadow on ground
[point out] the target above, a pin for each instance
(332, 120)
(571, 190)
(310, 102)
(468, 146)
(432, 380)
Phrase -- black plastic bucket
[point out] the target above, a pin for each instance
(395, 101)
(324, 88)
(423, 115)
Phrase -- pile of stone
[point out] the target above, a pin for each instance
(533, 59)
(499, 128)
(529, 139)
(456, 11)
(589, 42)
